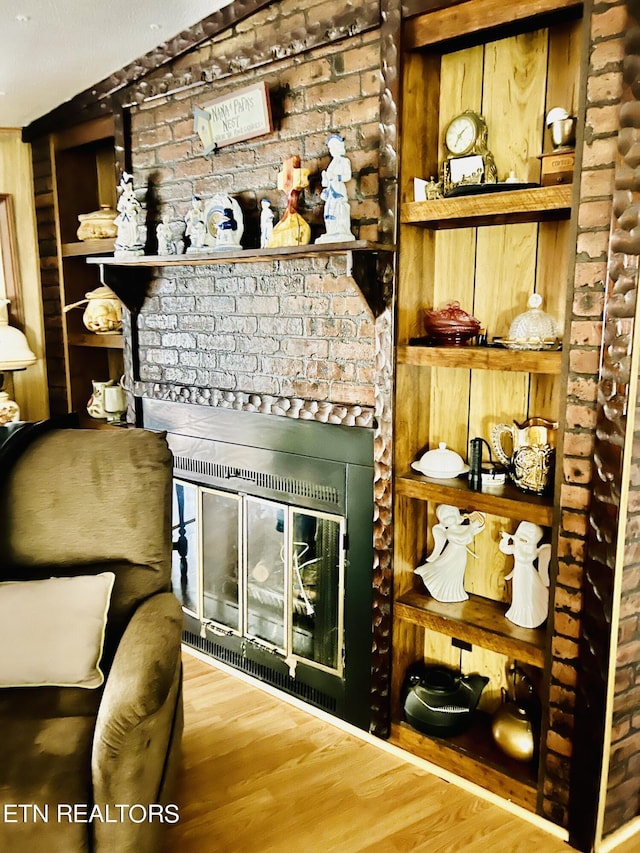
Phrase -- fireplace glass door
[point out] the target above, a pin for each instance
(270, 572)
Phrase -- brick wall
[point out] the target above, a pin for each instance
(293, 329)
(598, 589)
(599, 152)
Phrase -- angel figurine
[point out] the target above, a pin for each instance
(443, 571)
(530, 591)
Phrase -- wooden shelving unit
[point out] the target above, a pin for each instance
(84, 169)
(488, 251)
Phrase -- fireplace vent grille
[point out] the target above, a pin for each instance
(261, 672)
(287, 486)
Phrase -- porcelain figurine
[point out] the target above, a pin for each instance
(337, 213)
(530, 583)
(266, 222)
(131, 230)
(170, 236)
(224, 223)
(443, 571)
(195, 227)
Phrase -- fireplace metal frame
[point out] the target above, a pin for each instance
(279, 459)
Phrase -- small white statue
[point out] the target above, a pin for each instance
(337, 214)
(196, 230)
(132, 232)
(443, 571)
(170, 236)
(163, 233)
(530, 590)
(266, 223)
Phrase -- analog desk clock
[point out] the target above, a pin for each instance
(468, 161)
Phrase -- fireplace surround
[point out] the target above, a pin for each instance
(273, 539)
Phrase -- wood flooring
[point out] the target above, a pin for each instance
(259, 775)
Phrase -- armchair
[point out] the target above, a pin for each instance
(85, 568)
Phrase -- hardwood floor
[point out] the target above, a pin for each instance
(261, 776)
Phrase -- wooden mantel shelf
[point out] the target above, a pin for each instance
(362, 258)
(237, 256)
(497, 208)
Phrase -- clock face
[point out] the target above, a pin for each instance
(461, 135)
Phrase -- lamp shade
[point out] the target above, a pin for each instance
(14, 349)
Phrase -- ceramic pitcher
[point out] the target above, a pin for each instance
(96, 402)
(530, 461)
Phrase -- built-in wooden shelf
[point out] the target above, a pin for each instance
(535, 204)
(474, 756)
(478, 621)
(84, 248)
(439, 26)
(80, 339)
(245, 255)
(482, 358)
(506, 501)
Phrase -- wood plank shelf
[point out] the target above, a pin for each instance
(79, 339)
(478, 621)
(85, 248)
(482, 358)
(474, 756)
(245, 255)
(525, 205)
(506, 501)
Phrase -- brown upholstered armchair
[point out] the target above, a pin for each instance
(85, 541)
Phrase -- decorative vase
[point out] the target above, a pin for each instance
(9, 410)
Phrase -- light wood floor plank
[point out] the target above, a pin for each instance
(261, 776)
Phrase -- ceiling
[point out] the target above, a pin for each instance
(52, 50)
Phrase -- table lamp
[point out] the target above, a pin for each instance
(14, 355)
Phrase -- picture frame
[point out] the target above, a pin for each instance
(9, 270)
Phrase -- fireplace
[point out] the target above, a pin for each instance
(273, 548)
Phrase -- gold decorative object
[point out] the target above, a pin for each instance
(468, 162)
(532, 455)
(292, 230)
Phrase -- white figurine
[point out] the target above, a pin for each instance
(170, 236)
(266, 223)
(196, 230)
(131, 231)
(443, 571)
(163, 233)
(337, 214)
(530, 590)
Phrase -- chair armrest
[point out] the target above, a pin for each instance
(143, 667)
(141, 680)
(135, 718)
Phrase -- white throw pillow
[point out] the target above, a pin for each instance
(52, 631)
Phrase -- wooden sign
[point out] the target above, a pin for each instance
(233, 118)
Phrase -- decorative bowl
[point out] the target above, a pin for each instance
(450, 326)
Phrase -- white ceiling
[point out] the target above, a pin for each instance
(52, 50)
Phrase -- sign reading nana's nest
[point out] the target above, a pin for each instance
(233, 118)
